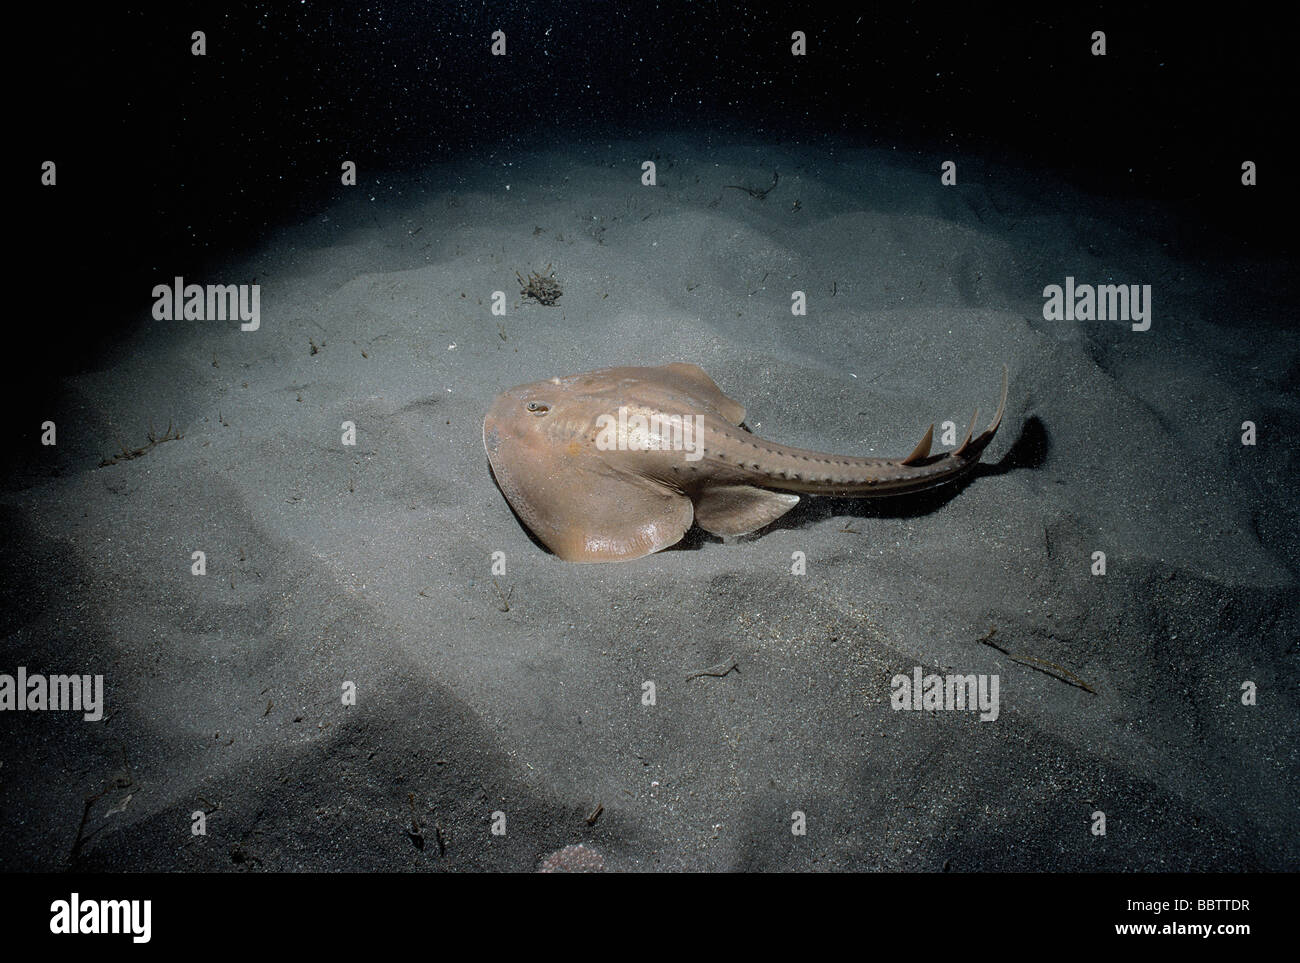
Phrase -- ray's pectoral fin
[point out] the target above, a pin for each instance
(584, 511)
(615, 517)
(740, 509)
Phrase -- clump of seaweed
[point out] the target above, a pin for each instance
(126, 454)
(542, 288)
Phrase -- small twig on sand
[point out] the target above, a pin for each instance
(755, 192)
(126, 454)
(416, 834)
(81, 827)
(717, 671)
(1037, 664)
(591, 820)
(504, 596)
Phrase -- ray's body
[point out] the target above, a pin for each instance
(597, 484)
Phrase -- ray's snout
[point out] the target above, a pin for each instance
(507, 415)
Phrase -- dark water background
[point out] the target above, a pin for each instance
(162, 153)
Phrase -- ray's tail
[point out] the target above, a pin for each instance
(874, 477)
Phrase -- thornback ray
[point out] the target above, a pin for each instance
(614, 464)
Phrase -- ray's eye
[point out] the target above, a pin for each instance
(537, 408)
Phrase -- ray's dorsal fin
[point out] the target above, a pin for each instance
(970, 433)
(921, 451)
(1002, 404)
(987, 434)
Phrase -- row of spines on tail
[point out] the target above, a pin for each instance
(866, 476)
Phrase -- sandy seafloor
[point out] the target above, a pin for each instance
(371, 564)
